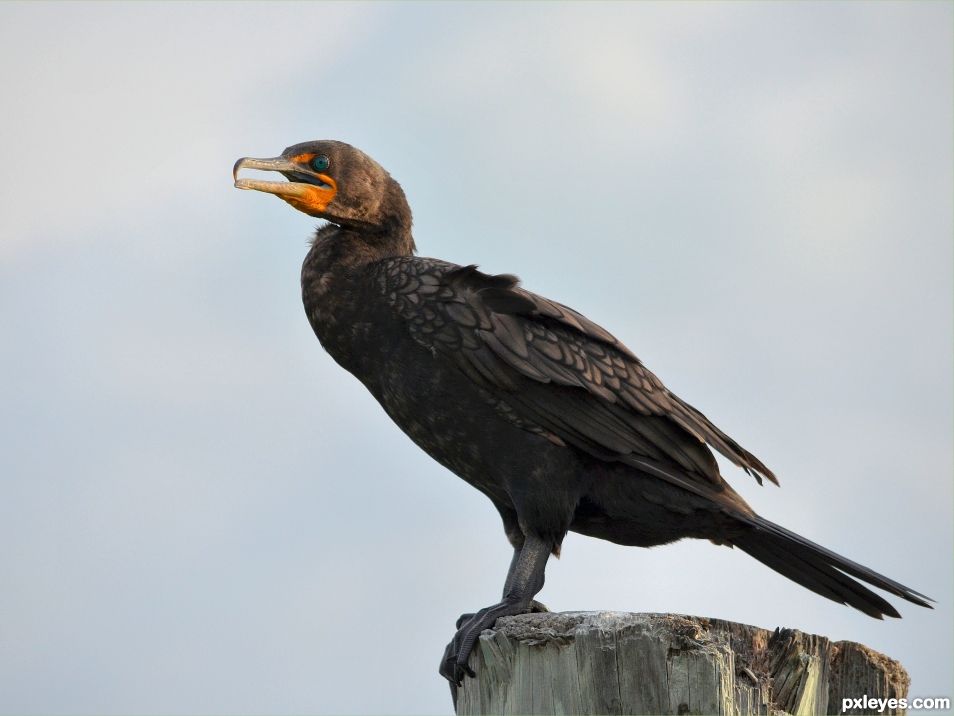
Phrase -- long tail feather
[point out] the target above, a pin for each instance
(821, 570)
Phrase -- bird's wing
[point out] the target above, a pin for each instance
(557, 370)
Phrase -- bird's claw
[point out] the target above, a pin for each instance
(451, 668)
(454, 665)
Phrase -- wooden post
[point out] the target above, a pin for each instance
(620, 663)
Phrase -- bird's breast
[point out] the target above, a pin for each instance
(451, 419)
(443, 411)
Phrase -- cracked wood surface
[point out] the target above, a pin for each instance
(622, 663)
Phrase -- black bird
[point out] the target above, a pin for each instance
(536, 406)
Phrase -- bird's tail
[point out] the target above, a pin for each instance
(821, 570)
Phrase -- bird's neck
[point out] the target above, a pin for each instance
(337, 257)
(336, 249)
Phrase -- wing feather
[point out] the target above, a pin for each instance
(557, 370)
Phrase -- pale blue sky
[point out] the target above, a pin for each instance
(202, 513)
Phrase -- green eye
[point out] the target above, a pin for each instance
(320, 163)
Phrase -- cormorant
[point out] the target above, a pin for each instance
(536, 406)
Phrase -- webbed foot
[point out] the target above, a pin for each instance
(454, 666)
(524, 580)
(535, 608)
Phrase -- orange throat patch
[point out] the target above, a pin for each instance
(309, 198)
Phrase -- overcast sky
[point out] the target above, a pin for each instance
(201, 513)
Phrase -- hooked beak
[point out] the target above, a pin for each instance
(305, 190)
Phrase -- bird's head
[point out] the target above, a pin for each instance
(334, 181)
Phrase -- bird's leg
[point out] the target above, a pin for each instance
(535, 606)
(524, 579)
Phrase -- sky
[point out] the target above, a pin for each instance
(202, 513)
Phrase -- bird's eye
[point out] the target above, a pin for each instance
(320, 163)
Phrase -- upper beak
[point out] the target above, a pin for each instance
(276, 164)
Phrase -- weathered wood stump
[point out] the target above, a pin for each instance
(620, 663)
